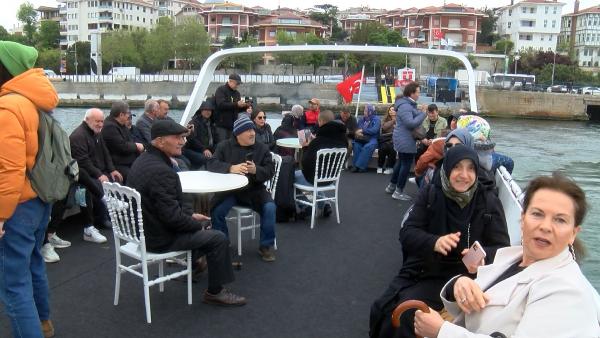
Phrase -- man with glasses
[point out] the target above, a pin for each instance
(119, 141)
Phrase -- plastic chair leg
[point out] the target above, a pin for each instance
(161, 273)
(239, 227)
(189, 277)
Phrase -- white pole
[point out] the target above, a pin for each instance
(362, 75)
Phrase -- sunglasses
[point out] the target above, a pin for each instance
(261, 117)
(449, 145)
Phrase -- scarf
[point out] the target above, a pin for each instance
(461, 198)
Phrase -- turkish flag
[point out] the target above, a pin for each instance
(349, 87)
(438, 34)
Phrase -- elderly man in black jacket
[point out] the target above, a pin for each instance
(228, 104)
(203, 140)
(167, 226)
(119, 141)
(89, 149)
(242, 155)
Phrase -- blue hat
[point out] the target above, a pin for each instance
(242, 124)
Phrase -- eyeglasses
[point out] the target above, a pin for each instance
(449, 145)
(261, 117)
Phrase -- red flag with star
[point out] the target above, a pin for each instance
(349, 87)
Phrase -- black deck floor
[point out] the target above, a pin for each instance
(321, 285)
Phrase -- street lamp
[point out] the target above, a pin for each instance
(553, 66)
(517, 57)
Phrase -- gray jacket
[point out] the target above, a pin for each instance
(144, 124)
(408, 117)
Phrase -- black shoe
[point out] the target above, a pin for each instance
(354, 170)
(327, 210)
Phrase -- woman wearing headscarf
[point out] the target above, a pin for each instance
(535, 290)
(365, 139)
(446, 219)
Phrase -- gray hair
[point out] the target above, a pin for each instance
(118, 107)
(89, 112)
(150, 106)
(297, 111)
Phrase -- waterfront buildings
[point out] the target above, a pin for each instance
(586, 35)
(531, 24)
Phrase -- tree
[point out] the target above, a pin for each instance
(80, 52)
(118, 47)
(504, 46)
(488, 28)
(191, 41)
(48, 35)
(49, 59)
(246, 61)
(4, 35)
(229, 42)
(28, 16)
(329, 18)
(158, 46)
(473, 61)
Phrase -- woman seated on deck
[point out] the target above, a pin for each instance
(365, 139)
(445, 220)
(263, 129)
(534, 290)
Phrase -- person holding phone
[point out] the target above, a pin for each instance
(448, 216)
(242, 155)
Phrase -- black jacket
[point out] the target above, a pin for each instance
(226, 106)
(201, 140)
(330, 135)
(427, 221)
(351, 125)
(153, 176)
(230, 152)
(265, 135)
(90, 151)
(119, 142)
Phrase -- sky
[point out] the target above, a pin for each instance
(8, 15)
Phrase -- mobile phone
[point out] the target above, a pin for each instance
(249, 156)
(474, 255)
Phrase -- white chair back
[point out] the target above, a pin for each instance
(272, 183)
(329, 165)
(125, 209)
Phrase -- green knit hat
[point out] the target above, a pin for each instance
(17, 58)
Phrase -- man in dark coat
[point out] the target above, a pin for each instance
(330, 134)
(119, 141)
(242, 155)
(90, 152)
(203, 140)
(167, 226)
(351, 125)
(228, 104)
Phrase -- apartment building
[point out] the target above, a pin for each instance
(352, 21)
(450, 26)
(531, 24)
(587, 35)
(228, 19)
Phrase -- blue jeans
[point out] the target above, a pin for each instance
(23, 281)
(361, 154)
(267, 219)
(401, 170)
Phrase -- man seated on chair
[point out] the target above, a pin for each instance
(331, 133)
(242, 155)
(167, 225)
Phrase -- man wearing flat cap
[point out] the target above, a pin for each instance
(229, 103)
(168, 226)
(244, 156)
(23, 216)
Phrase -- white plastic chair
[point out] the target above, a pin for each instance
(240, 213)
(327, 170)
(125, 210)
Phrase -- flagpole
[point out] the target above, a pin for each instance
(362, 75)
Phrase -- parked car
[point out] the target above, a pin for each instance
(557, 89)
(590, 91)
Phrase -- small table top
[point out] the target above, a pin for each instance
(201, 181)
(290, 142)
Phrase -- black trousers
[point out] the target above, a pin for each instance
(400, 290)
(223, 134)
(386, 151)
(215, 246)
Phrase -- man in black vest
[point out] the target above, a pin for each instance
(168, 226)
(228, 103)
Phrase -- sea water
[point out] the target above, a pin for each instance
(537, 147)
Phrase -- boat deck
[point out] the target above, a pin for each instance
(321, 285)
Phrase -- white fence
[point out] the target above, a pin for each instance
(191, 78)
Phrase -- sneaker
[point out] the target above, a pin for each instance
(225, 297)
(91, 234)
(399, 195)
(50, 256)
(412, 180)
(58, 242)
(380, 170)
(388, 171)
(390, 188)
(47, 328)
(266, 253)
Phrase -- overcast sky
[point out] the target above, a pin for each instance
(8, 14)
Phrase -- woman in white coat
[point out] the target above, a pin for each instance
(534, 290)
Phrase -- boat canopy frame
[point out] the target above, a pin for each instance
(213, 61)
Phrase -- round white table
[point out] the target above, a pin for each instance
(203, 182)
(290, 142)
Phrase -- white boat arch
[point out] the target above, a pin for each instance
(209, 67)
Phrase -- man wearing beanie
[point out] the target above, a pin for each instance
(23, 216)
(242, 155)
(168, 226)
(229, 103)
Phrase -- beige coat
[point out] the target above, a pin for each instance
(549, 299)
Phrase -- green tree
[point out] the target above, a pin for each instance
(49, 59)
(488, 28)
(159, 45)
(48, 35)
(247, 61)
(28, 16)
(329, 18)
(79, 52)
(230, 42)
(473, 61)
(191, 41)
(4, 35)
(118, 48)
(504, 46)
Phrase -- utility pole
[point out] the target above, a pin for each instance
(553, 66)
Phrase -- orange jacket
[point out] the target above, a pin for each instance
(19, 122)
(434, 153)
